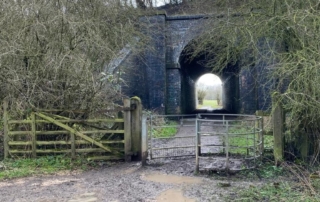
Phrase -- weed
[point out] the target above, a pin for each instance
(14, 168)
(165, 131)
(245, 139)
(276, 191)
(240, 139)
(209, 103)
(297, 184)
(270, 171)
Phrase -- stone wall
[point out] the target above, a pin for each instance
(231, 90)
(180, 30)
(188, 95)
(155, 61)
(134, 75)
(248, 92)
(145, 74)
(173, 104)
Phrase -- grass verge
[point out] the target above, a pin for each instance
(240, 143)
(165, 131)
(276, 191)
(288, 182)
(209, 103)
(14, 168)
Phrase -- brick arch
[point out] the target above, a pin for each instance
(192, 70)
(161, 80)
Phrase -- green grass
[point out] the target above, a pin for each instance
(240, 141)
(14, 168)
(273, 183)
(275, 191)
(209, 103)
(169, 130)
(288, 182)
(244, 142)
(268, 141)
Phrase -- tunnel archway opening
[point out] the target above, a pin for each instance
(192, 68)
(209, 92)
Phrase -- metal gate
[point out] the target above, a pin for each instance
(228, 142)
(172, 136)
(221, 141)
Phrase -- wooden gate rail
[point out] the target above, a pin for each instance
(21, 137)
(73, 131)
(102, 144)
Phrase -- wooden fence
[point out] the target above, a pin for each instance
(46, 133)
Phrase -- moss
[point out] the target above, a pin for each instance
(136, 98)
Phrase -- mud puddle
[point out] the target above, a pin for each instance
(171, 179)
(174, 194)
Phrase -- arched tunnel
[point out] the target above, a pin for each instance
(165, 79)
(193, 69)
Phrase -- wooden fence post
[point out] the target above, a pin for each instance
(278, 135)
(73, 145)
(120, 116)
(33, 135)
(127, 130)
(136, 118)
(5, 129)
(144, 141)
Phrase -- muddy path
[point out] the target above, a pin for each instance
(183, 143)
(162, 180)
(170, 181)
(186, 136)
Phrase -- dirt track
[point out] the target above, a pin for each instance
(159, 181)
(185, 136)
(163, 180)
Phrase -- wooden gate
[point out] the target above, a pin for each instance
(45, 133)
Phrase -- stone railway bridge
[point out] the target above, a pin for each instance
(165, 79)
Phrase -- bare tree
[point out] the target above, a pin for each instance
(201, 95)
(284, 35)
(54, 54)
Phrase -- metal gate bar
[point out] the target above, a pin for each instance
(163, 147)
(207, 136)
(249, 135)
